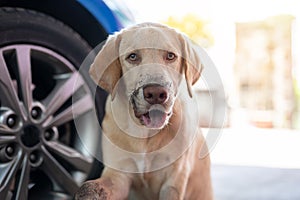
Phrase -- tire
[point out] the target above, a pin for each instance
(41, 155)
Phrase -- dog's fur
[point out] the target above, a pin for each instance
(150, 59)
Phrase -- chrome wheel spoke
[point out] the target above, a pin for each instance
(80, 107)
(7, 175)
(24, 68)
(5, 129)
(22, 189)
(58, 173)
(7, 86)
(41, 95)
(5, 139)
(61, 93)
(79, 161)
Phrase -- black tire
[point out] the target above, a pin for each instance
(55, 50)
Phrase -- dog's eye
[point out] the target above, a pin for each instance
(133, 57)
(170, 56)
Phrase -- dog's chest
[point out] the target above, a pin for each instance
(149, 162)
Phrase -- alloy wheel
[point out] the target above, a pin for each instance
(39, 101)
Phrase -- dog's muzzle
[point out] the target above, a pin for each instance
(152, 105)
(152, 94)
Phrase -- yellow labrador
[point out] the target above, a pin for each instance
(151, 138)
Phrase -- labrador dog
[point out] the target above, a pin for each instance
(151, 135)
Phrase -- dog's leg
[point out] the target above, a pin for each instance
(174, 188)
(178, 175)
(111, 186)
(169, 193)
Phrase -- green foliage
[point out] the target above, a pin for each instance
(194, 27)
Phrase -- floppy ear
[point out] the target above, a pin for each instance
(106, 69)
(192, 66)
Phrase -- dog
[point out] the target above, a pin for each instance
(151, 135)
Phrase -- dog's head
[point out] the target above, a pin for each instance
(150, 60)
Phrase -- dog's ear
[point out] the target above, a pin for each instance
(106, 69)
(192, 66)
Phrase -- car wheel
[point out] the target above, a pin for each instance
(41, 155)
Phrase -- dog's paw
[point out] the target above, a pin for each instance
(93, 190)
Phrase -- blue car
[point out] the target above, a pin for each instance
(42, 46)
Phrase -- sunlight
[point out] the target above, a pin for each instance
(237, 10)
(226, 21)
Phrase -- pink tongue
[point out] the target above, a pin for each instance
(156, 119)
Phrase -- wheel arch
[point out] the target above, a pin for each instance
(94, 28)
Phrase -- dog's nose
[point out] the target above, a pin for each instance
(155, 94)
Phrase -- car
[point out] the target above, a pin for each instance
(42, 46)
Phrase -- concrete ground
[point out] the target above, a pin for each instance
(255, 183)
(256, 164)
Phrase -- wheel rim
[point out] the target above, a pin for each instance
(38, 140)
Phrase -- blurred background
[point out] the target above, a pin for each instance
(255, 46)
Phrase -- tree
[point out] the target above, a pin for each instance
(194, 27)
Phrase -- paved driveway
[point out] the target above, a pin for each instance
(255, 183)
(256, 164)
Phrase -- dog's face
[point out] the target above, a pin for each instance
(152, 84)
(149, 61)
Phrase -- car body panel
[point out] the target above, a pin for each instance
(103, 14)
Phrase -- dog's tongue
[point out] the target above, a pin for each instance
(156, 118)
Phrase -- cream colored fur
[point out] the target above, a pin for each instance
(175, 172)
